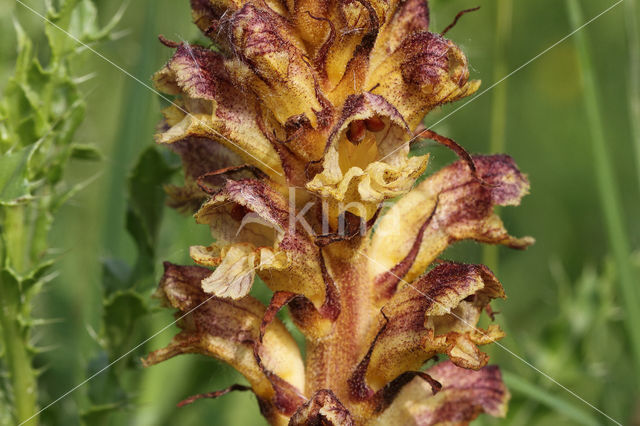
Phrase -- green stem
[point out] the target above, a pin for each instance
(607, 186)
(497, 141)
(15, 235)
(633, 40)
(18, 360)
(22, 377)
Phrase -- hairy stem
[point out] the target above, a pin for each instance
(332, 361)
(497, 138)
(607, 186)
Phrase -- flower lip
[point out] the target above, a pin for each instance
(465, 394)
(428, 317)
(228, 330)
(212, 182)
(351, 173)
(323, 408)
(465, 210)
(268, 242)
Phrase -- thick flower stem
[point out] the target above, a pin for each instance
(331, 362)
(607, 186)
(22, 377)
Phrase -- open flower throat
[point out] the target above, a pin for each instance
(293, 132)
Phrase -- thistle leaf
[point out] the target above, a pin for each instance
(14, 182)
(59, 42)
(41, 109)
(85, 153)
(144, 213)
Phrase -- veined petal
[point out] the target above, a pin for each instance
(424, 71)
(234, 276)
(449, 206)
(228, 330)
(352, 176)
(435, 314)
(211, 16)
(306, 15)
(253, 225)
(214, 109)
(411, 16)
(272, 64)
(324, 408)
(465, 394)
(346, 58)
(199, 157)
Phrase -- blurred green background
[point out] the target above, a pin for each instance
(565, 313)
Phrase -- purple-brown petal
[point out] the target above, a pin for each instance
(323, 408)
(449, 206)
(228, 329)
(435, 314)
(465, 394)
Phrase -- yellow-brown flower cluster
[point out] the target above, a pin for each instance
(294, 130)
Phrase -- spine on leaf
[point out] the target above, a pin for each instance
(40, 111)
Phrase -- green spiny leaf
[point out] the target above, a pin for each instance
(105, 391)
(25, 48)
(83, 23)
(58, 24)
(64, 195)
(123, 311)
(146, 202)
(99, 414)
(125, 288)
(85, 153)
(35, 277)
(116, 276)
(14, 183)
(41, 109)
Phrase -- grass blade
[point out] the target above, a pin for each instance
(607, 185)
(497, 141)
(519, 385)
(633, 40)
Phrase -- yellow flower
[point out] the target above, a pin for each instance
(293, 131)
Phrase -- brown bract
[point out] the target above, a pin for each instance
(293, 130)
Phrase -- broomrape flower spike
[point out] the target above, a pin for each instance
(293, 135)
